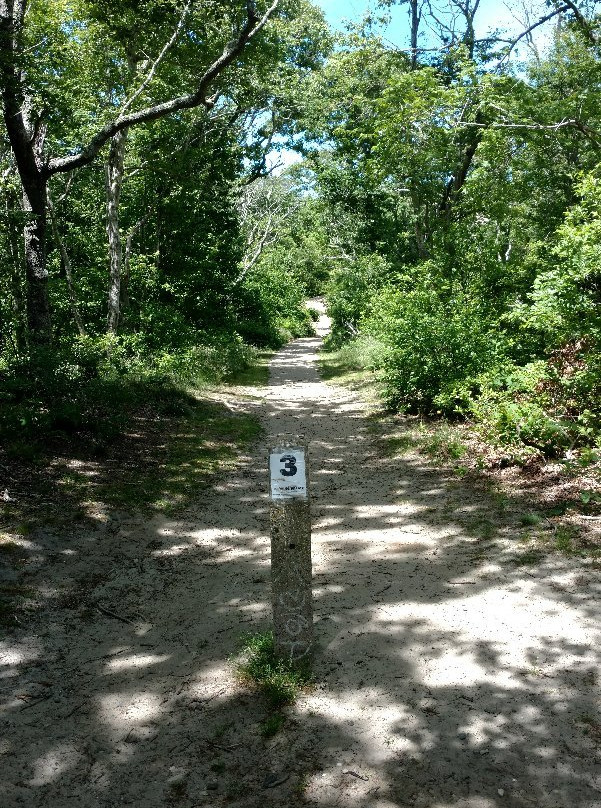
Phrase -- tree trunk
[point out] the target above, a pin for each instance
(67, 267)
(27, 142)
(34, 231)
(415, 15)
(114, 181)
(14, 249)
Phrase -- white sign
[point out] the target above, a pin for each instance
(288, 474)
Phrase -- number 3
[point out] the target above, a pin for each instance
(289, 469)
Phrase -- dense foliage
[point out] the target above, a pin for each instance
(141, 281)
(449, 200)
(462, 194)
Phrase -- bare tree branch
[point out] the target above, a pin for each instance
(264, 208)
(125, 276)
(65, 193)
(541, 21)
(159, 59)
(449, 27)
(585, 129)
(443, 26)
(197, 98)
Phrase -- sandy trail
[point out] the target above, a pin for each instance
(447, 677)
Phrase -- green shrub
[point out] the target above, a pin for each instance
(299, 323)
(93, 384)
(550, 405)
(271, 306)
(362, 353)
(526, 422)
(430, 344)
(565, 297)
(349, 293)
(443, 443)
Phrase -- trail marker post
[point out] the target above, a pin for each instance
(291, 576)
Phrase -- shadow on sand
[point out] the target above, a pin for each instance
(446, 677)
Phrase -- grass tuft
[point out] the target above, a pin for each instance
(531, 556)
(530, 519)
(276, 678)
(443, 444)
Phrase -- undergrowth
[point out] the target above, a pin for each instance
(91, 387)
(558, 500)
(161, 443)
(126, 437)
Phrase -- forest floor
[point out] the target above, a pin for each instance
(449, 673)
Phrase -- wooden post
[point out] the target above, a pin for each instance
(291, 578)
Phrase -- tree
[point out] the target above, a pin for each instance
(27, 127)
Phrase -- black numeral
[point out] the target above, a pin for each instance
(290, 468)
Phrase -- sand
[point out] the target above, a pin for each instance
(446, 675)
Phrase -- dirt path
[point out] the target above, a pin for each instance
(448, 677)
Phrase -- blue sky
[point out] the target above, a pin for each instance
(506, 14)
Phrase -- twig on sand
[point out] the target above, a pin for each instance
(109, 613)
(220, 746)
(357, 775)
(37, 701)
(106, 656)
(178, 748)
(74, 710)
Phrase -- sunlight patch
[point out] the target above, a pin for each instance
(453, 667)
(328, 589)
(120, 710)
(136, 661)
(214, 681)
(174, 550)
(18, 653)
(51, 765)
